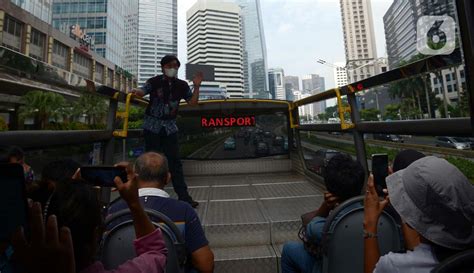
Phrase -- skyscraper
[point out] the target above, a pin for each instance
(276, 79)
(293, 81)
(39, 8)
(130, 62)
(313, 84)
(359, 39)
(340, 74)
(255, 50)
(157, 35)
(215, 38)
(103, 20)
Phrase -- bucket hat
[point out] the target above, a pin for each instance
(435, 199)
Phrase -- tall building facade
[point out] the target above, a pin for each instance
(359, 39)
(293, 81)
(41, 9)
(102, 20)
(340, 74)
(254, 50)
(400, 23)
(130, 62)
(276, 79)
(157, 36)
(313, 84)
(215, 38)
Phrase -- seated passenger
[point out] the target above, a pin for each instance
(53, 173)
(153, 175)
(75, 205)
(16, 155)
(344, 178)
(435, 200)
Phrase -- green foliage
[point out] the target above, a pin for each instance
(94, 107)
(3, 125)
(391, 111)
(408, 109)
(323, 116)
(42, 106)
(464, 165)
(369, 114)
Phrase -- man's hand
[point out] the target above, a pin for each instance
(137, 92)
(49, 250)
(373, 207)
(197, 80)
(128, 167)
(331, 200)
(128, 191)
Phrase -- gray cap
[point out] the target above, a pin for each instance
(435, 199)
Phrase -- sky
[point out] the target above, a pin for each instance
(298, 33)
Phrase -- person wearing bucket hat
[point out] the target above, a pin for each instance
(159, 126)
(435, 200)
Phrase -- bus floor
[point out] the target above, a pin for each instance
(248, 217)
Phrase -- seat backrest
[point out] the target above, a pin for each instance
(117, 246)
(459, 263)
(343, 237)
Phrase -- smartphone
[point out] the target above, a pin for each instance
(103, 176)
(380, 171)
(13, 201)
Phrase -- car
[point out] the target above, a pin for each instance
(262, 149)
(278, 141)
(241, 133)
(257, 139)
(470, 140)
(453, 142)
(390, 138)
(319, 160)
(229, 144)
(267, 134)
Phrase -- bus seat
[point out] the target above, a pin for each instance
(343, 237)
(459, 263)
(117, 246)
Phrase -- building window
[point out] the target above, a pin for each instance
(37, 38)
(12, 26)
(436, 90)
(450, 88)
(461, 73)
(448, 77)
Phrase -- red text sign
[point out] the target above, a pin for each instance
(209, 122)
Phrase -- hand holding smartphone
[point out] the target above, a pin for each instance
(103, 176)
(380, 172)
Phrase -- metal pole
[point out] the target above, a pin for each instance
(358, 136)
(425, 82)
(465, 9)
(108, 153)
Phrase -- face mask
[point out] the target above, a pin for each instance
(171, 72)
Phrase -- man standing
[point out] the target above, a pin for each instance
(160, 129)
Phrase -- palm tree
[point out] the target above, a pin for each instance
(94, 107)
(42, 106)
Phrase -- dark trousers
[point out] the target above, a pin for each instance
(168, 145)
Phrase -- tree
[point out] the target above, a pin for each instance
(322, 116)
(42, 106)
(94, 107)
(408, 110)
(392, 111)
(369, 114)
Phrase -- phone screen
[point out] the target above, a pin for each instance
(380, 171)
(103, 176)
(13, 202)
